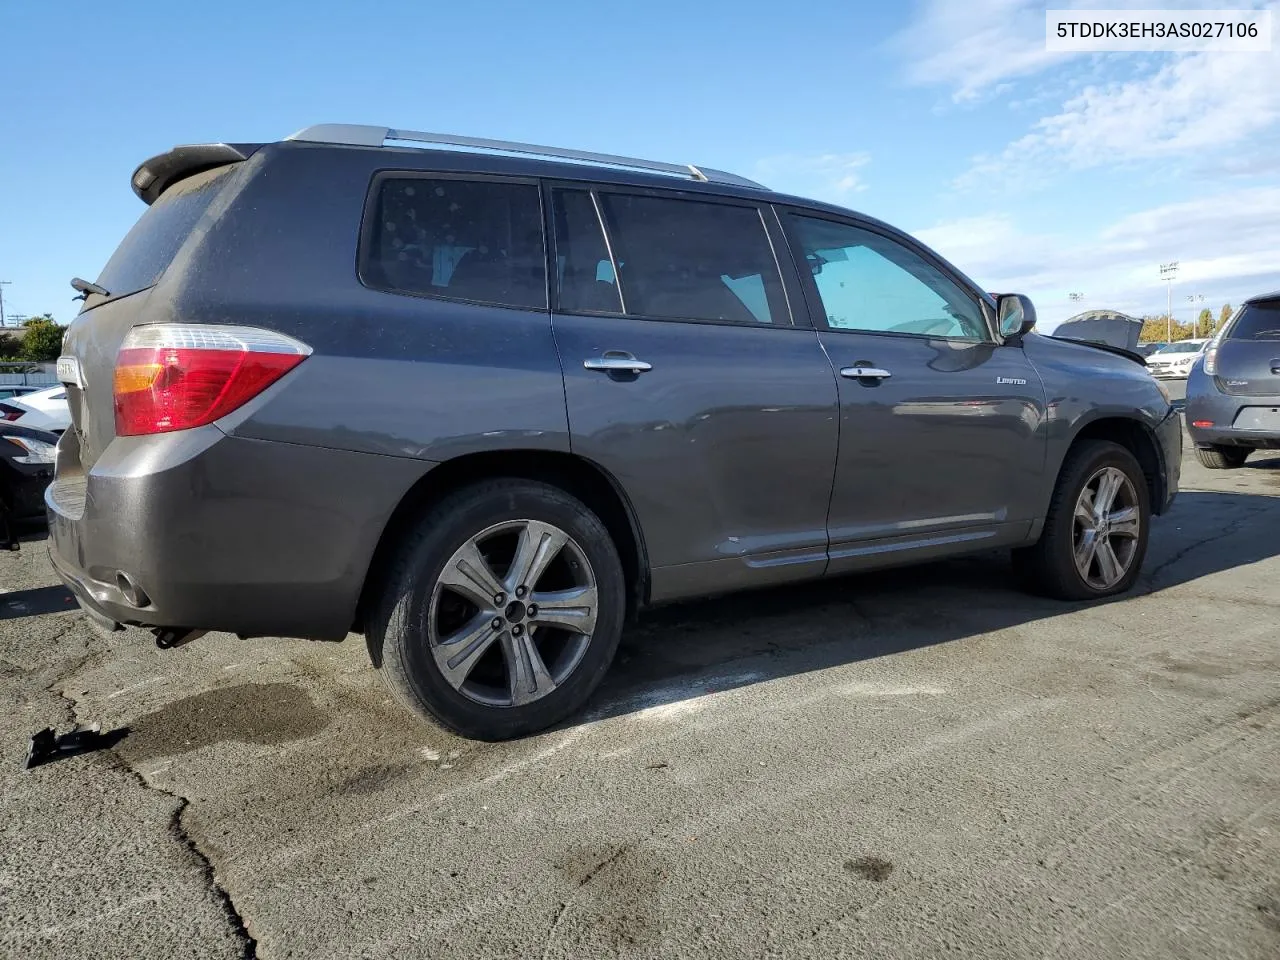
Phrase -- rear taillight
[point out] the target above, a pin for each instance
(10, 413)
(177, 376)
(1211, 359)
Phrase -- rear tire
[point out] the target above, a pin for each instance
(1094, 537)
(463, 638)
(1223, 458)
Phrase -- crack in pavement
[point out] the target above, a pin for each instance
(1149, 580)
(176, 827)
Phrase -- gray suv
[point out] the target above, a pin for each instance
(481, 401)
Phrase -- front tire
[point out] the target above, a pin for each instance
(1095, 532)
(1222, 458)
(502, 610)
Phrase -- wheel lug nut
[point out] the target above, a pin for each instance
(521, 591)
(497, 623)
(533, 610)
(499, 598)
(516, 630)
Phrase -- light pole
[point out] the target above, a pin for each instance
(1195, 317)
(1167, 272)
(3, 284)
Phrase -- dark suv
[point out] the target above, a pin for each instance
(1233, 393)
(480, 401)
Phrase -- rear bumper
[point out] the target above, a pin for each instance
(1169, 436)
(222, 533)
(1206, 404)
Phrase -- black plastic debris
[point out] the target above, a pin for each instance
(46, 746)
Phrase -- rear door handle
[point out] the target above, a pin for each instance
(865, 373)
(1275, 366)
(619, 362)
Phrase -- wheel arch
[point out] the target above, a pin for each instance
(576, 475)
(1136, 437)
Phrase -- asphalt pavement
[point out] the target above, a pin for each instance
(905, 764)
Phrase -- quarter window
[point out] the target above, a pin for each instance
(688, 260)
(471, 240)
(870, 283)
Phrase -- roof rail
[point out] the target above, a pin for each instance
(368, 136)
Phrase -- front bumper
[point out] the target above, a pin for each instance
(222, 533)
(1169, 436)
(24, 486)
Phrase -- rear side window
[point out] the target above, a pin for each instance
(148, 249)
(1257, 321)
(474, 240)
(689, 260)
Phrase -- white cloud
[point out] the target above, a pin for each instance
(830, 176)
(979, 47)
(1227, 247)
(975, 46)
(1197, 105)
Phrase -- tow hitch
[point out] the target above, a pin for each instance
(169, 637)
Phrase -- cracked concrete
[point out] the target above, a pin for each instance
(893, 766)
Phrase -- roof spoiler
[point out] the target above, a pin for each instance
(162, 171)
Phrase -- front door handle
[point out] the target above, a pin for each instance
(865, 373)
(617, 362)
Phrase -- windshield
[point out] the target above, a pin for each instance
(1181, 348)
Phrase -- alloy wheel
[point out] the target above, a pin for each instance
(1106, 528)
(512, 613)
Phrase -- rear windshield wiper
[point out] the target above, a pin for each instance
(85, 288)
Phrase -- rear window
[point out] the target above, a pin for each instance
(473, 240)
(689, 260)
(1257, 321)
(148, 249)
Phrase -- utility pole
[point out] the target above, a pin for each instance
(1167, 272)
(1195, 317)
(3, 284)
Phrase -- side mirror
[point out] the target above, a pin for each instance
(1016, 315)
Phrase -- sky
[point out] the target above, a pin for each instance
(1039, 173)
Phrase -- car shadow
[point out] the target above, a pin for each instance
(35, 602)
(687, 650)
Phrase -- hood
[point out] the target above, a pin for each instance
(1101, 327)
(1066, 346)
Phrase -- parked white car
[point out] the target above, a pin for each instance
(1175, 361)
(44, 410)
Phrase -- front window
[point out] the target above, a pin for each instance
(872, 284)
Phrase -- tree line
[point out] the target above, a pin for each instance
(1156, 329)
(39, 342)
